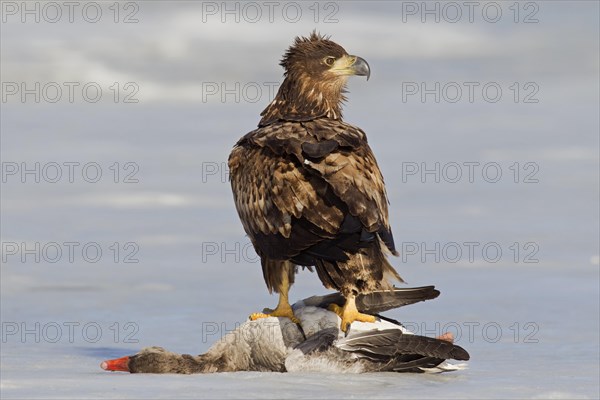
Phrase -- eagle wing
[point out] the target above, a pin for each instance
(309, 189)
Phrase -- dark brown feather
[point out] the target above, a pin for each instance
(306, 185)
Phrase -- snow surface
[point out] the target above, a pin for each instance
(531, 327)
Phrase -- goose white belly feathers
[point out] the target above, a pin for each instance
(317, 344)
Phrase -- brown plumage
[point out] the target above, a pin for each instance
(306, 184)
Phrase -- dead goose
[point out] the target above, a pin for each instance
(278, 345)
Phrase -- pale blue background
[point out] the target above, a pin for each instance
(172, 135)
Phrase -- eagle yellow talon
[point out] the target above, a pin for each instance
(348, 313)
(283, 307)
(258, 315)
(285, 312)
(336, 309)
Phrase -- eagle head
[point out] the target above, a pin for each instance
(319, 59)
(316, 72)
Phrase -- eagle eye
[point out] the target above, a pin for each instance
(329, 60)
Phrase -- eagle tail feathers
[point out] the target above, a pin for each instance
(365, 271)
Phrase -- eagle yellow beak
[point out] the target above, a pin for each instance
(351, 65)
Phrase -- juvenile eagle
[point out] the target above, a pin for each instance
(307, 187)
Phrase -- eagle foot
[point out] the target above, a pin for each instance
(285, 312)
(348, 313)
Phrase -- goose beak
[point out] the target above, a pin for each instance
(118, 364)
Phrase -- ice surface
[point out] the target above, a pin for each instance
(531, 327)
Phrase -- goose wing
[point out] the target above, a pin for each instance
(378, 301)
(396, 351)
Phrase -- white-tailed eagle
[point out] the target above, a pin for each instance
(307, 186)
